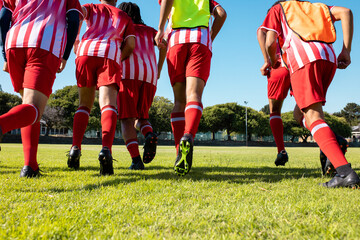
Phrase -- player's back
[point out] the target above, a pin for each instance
(106, 28)
(142, 65)
(40, 23)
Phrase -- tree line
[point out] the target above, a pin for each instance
(228, 117)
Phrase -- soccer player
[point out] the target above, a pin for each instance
(188, 58)
(312, 67)
(137, 89)
(109, 39)
(37, 45)
(278, 87)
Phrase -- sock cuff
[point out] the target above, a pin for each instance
(108, 108)
(275, 116)
(83, 109)
(37, 115)
(317, 125)
(131, 142)
(178, 116)
(145, 126)
(194, 105)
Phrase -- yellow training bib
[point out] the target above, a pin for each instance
(190, 13)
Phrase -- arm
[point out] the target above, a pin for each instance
(261, 36)
(270, 45)
(5, 20)
(162, 56)
(77, 41)
(128, 47)
(165, 10)
(220, 17)
(347, 23)
(73, 20)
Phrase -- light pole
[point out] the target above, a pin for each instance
(246, 134)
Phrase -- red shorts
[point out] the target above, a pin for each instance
(188, 60)
(32, 68)
(97, 71)
(278, 83)
(310, 83)
(135, 98)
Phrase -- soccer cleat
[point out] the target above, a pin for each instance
(184, 158)
(326, 166)
(351, 180)
(150, 147)
(106, 162)
(281, 158)
(74, 158)
(28, 172)
(139, 165)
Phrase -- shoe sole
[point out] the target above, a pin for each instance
(185, 150)
(150, 149)
(105, 168)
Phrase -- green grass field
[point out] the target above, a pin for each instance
(230, 193)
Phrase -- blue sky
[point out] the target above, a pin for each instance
(235, 75)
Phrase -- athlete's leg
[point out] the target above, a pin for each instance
(178, 112)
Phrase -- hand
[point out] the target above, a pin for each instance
(62, 65)
(265, 69)
(158, 39)
(344, 59)
(6, 68)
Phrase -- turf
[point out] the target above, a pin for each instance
(230, 193)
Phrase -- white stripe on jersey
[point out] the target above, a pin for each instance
(296, 54)
(308, 51)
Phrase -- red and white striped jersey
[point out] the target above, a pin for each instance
(299, 53)
(39, 24)
(190, 35)
(106, 28)
(142, 64)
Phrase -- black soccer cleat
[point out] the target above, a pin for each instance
(139, 165)
(74, 158)
(28, 172)
(106, 162)
(150, 147)
(281, 158)
(326, 166)
(351, 181)
(184, 158)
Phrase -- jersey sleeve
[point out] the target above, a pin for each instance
(272, 21)
(130, 29)
(74, 5)
(9, 4)
(213, 5)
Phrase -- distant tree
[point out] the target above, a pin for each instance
(1, 88)
(292, 128)
(67, 99)
(351, 112)
(258, 124)
(266, 109)
(159, 114)
(8, 101)
(338, 124)
(53, 118)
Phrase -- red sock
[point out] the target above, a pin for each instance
(178, 126)
(81, 120)
(146, 128)
(193, 113)
(108, 125)
(30, 140)
(132, 146)
(277, 128)
(18, 117)
(326, 140)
